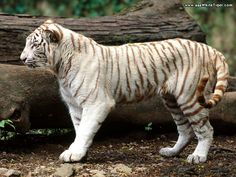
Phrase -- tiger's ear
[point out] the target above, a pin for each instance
(49, 21)
(53, 36)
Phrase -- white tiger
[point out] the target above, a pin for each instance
(94, 77)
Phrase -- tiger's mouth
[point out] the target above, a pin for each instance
(29, 62)
(36, 65)
(31, 66)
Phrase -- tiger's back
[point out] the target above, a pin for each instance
(176, 66)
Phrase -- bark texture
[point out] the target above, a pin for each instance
(30, 97)
(149, 20)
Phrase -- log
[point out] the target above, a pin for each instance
(149, 20)
(28, 101)
(36, 103)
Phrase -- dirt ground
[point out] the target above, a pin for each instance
(38, 156)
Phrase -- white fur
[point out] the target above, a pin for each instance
(93, 78)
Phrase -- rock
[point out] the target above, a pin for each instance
(12, 173)
(98, 173)
(3, 171)
(121, 168)
(36, 171)
(84, 175)
(79, 166)
(140, 169)
(9, 172)
(66, 170)
(40, 170)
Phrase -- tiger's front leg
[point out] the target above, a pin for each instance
(76, 114)
(92, 119)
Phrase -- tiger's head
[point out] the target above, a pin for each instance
(40, 45)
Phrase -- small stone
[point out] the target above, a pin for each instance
(121, 168)
(66, 170)
(97, 173)
(220, 164)
(13, 173)
(84, 175)
(4, 161)
(37, 170)
(140, 169)
(144, 147)
(79, 167)
(42, 167)
(163, 136)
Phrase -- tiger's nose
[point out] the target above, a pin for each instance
(23, 59)
(23, 56)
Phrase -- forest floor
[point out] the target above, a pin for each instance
(132, 154)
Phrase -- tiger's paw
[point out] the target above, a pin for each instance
(168, 152)
(70, 156)
(195, 159)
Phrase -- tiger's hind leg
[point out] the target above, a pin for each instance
(198, 117)
(183, 126)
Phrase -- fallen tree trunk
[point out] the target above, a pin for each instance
(36, 103)
(30, 97)
(149, 20)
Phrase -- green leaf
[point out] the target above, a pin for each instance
(2, 124)
(148, 127)
(5, 122)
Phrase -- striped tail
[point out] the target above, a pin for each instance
(222, 74)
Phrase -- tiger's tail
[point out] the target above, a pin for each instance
(222, 75)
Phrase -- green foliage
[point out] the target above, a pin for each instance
(6, 122)
(49, 132)
(73, 8)
(4, 135)
(148, 127)
(219, 25)
(7, 135)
